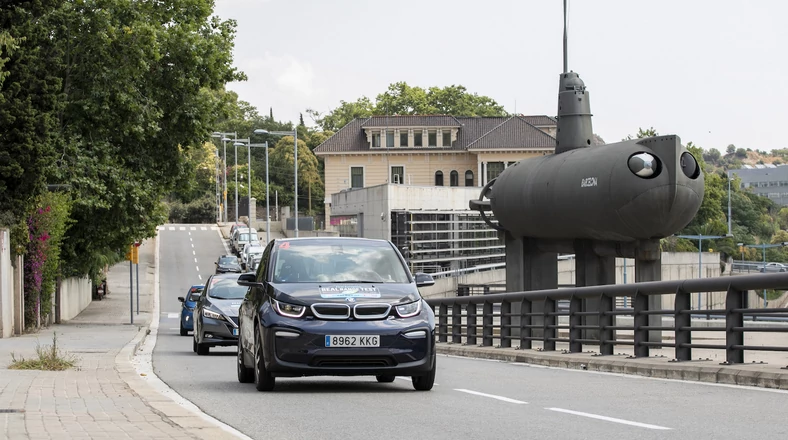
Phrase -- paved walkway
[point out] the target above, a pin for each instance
(104, 396)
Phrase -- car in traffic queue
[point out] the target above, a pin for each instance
(187, 307)
(216, 313)
(335, 306)
(227, 264)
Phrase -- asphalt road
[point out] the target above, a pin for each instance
(472, 398)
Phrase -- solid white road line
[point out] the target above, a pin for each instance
(224, 242)
(491, 396)
(608, 419)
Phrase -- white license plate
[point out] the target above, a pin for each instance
(235, 332)
(353, 341)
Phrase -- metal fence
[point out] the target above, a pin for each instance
(538, 314)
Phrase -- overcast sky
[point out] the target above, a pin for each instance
(709, 71)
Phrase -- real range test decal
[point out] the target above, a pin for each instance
(349, 292)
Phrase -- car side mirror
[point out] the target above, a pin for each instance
(181, 299)
(215, 263)
(424, 279)
(249, 280)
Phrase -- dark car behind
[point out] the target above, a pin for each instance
(228, 264)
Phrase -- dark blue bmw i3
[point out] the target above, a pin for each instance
(331, 306)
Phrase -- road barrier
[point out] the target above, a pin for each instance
(464, 313)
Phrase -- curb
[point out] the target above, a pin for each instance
(687, 371)
(135, 365)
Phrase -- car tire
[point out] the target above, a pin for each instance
(184, 332)
(385, 378)
(245, 374)
(263, 380)
(194, 345)
(425, 382)
(200, 349)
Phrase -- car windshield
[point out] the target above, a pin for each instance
(226, 288)
(246, 237)
(228, 260)
(338, 261)
(194, 296)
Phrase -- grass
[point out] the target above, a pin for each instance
(49, 358)
(771, 295)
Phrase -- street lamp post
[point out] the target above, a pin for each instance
(294, 133)
(700, 239)
(236, 144)
(763, 247)
(267, 213)
(224, 139)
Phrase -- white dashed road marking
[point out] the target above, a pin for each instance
(182, 228)
(172, 228)
(199, 276)
(193, 251)
(491, 396)
(172, 315)
(193, 228)
(214, 228)
(608, 419)
(203, 228)
(198, 268)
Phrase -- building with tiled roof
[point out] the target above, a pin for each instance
(431, 150)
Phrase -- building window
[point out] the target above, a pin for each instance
(397, 175)
(494, 169)
(403, 139)
(389, 138)
(469, 178)
(417, 139)
(447, 139)
(432, 138)
(376, 140)
(438, 178)
(356, 177)
(454, 178)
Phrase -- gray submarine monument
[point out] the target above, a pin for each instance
(598, 202)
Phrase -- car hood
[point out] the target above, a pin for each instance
(227, 306)
(346, 293)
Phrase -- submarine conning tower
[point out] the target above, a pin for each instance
(574, 114)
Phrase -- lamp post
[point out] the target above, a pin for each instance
(763, 247)
(267, 213)
(294, 133)
(730, 232)
(224, 139)
(700, 239)
(236, 144)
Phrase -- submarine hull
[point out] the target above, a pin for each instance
(632, 190)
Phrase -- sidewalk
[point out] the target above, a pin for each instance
(104, 396)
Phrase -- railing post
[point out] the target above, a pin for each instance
(525, 320)
(575, 333)
(487, 321)
(734, 300)
(506, 321)
(640, 320)
(443, 323)
(683, 321)
(606, 319)
(456, 323)
(549, 330)
(470, 318)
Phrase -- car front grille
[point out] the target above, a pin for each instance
(353, 361)
(331, 311)
(371, 311)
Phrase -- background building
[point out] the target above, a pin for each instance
(766, 180)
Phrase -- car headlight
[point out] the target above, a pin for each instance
(410, 309)
(289, 310)
(210, 314)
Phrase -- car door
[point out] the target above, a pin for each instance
(252, 302)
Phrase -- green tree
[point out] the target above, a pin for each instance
(310, 182)
(403, 99)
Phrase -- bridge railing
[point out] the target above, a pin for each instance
(536, 316)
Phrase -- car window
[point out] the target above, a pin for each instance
(340, 261)
(228, 260)
(195, 296)
(226, 288)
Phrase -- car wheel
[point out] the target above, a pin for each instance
(263, 380)
(184, 332)
(425, 382)
(200, 349)
(194, 344)
(245, 375)
(385, 378)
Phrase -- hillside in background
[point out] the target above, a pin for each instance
(736, 158)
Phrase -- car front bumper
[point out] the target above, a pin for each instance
(218, 332)
(297, 348)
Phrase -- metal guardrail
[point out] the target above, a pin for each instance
(734, 314)
(483, 267)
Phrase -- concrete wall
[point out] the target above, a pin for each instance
(675, 266)
(6, 286)
(75, 295)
